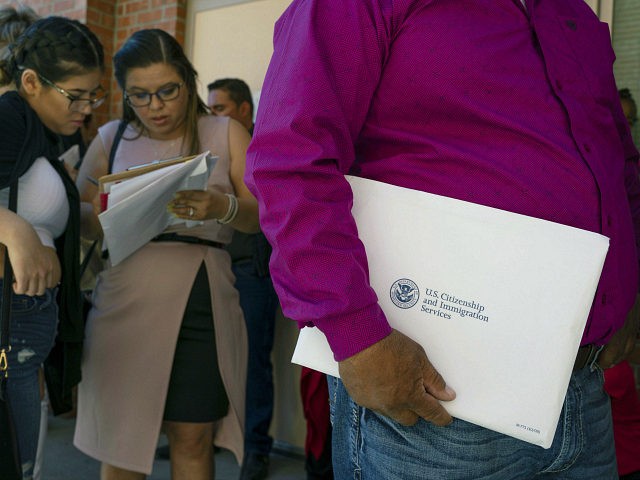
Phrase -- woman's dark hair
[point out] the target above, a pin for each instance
(152, 46)
(56, 48)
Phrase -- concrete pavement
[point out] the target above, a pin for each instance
(62, 461)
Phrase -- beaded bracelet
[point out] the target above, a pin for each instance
(232, 211)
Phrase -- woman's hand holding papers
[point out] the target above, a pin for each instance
(212, 204)
(395, 378)
(198, 204)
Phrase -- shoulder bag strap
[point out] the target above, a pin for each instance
(7, 287)
(112, 156)
(116, 141)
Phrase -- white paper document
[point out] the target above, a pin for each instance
(498, 300)
(137, 206)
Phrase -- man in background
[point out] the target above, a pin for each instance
(250, 263)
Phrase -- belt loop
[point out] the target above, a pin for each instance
(594, 353)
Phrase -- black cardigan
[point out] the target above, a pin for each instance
(23, 139)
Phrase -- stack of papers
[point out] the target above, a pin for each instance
(498, 300)
(136, 201)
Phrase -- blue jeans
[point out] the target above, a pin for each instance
(370, 446)
(259, 303)
(32, 333)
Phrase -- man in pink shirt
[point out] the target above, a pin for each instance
(504, 103)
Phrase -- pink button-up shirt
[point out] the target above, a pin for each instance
(481, 100)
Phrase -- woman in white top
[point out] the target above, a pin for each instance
(56, 66)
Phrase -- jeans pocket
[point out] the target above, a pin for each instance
(23, 304)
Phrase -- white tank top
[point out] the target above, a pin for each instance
(42, 201)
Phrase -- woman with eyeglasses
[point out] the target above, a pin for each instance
(56, 66)
(166, 342)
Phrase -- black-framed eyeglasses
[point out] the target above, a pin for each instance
(76, 103)
(164, 94)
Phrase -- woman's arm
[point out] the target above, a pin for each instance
(35, 266)
(94, 165)
(247, 218)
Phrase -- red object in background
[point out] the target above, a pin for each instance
(104, 197)
(315, 405)
(620, 384)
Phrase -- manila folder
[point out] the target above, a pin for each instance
(498, 300)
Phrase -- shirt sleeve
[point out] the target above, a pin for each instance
(328, 58)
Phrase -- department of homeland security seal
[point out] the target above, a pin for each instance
(404, 293)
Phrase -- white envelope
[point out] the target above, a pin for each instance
(498, 300)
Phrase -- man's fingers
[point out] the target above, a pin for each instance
(404, 417)
(432, 411)
(434, 388)
(423, 406)
(435, 385)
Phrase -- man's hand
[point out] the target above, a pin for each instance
(395, 378)
(622, 342)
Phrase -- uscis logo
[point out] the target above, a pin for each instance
(404, 293)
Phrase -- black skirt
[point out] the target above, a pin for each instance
(196, 392)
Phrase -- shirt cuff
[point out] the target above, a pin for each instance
(352, 333)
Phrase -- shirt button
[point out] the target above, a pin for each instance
(558, 85)
(571, 24)
(604, 299)
(587, 148)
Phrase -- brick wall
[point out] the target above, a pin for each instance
(133, 15)
(113, 21)
(67, 8)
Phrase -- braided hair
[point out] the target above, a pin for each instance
(56, 48)
(151, 46)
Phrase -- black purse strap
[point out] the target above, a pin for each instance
(116, 141)
(7, 287)
(112, 156)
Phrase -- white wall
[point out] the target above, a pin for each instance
(229, 38)
(604, 10)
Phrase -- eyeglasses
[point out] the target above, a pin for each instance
(143, 99)
(76, 103)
